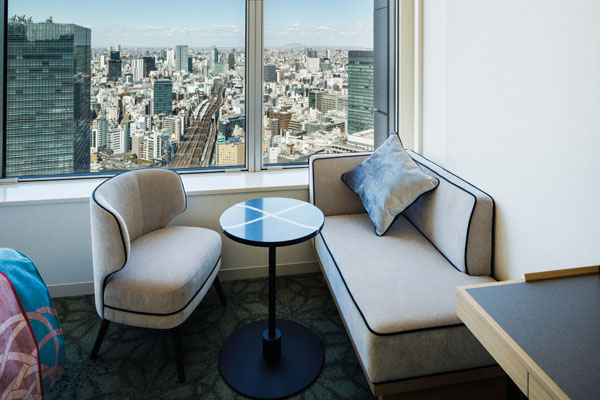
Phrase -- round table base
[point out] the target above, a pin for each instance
(243, 367)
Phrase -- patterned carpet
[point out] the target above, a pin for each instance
(136, 363)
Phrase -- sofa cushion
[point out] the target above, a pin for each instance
(457, 218)
(148, 285)
(397, 296)
(388, 182)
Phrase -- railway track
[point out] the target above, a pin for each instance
(198, 145)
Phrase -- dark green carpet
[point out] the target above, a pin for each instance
(136, 363)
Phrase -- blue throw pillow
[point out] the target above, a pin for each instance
(388, 182)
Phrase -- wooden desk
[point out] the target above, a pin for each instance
(544, 331)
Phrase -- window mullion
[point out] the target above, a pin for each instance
(254, 78)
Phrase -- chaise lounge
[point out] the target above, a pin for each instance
(396, 293)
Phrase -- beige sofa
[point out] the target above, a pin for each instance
(396, 293)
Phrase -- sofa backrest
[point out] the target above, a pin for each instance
(457, 218)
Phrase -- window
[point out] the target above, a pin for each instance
(134, 85)
(318, 79)
(124, 86)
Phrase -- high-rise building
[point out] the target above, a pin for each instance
(309, 52)
(230, 152)
(142, 67)
(150, 65)
(270, 72)
(138, 69)
(360, 91)
(171, 58)
(324, 64)
(48, 123)
(313, 64)
(102, 133)
(214, 57)
(230, 60)
(114, 63)
(181, 58)
(326, 102)
(163, 97)
(114, 69)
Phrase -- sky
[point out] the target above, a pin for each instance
(202, 23)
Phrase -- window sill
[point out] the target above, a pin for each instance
(76, 191)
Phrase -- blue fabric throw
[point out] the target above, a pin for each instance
(388, 182)
(38, 308)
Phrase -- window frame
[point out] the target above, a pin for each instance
(403, 97)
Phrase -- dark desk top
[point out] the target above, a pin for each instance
(557, 323)
(272, 221)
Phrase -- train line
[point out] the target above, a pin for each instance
(198, 144)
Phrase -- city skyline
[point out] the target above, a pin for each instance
(145, 25)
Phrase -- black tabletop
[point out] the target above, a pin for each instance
(272, 221)
(557, 323)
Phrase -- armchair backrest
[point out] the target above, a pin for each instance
(124, 208)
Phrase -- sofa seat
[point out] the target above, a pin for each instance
(160, 289)
(397, 296)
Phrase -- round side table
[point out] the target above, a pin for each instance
(271, 358)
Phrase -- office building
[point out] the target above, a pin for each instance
(230, 61)
(230, 152)
(270, 73)
(360, 91)
(311, 53)
(162, 102)
(142, 67)
(171, 58)
(181, 58)
(213, 57)
(102, 133)
(114, 63)
(313, 64)
(326, 102)
(48, 123)
(114, 69)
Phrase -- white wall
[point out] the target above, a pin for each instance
(512, 104)
(57, 238)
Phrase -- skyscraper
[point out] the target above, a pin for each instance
(142, 67)
(48, 123)
(270, 72)
(163, 97)
(230, 60)
(360, 91)
(114, 63)
(214, 57)
(181, 58)
(171, 58)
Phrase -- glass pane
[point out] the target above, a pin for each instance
(126, 85)
(318, 79)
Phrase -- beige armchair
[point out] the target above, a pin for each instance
(145, 273)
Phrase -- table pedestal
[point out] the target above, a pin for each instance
(271, 358)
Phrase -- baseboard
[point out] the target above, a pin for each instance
(230, 274)
(71, 289)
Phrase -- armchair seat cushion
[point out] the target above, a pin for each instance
(166, 270)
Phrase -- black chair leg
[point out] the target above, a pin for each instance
(178, 353)
(220, 292)
(99, 338)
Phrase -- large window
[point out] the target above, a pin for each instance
(122, 86)
(211, 85)
(318, 79)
